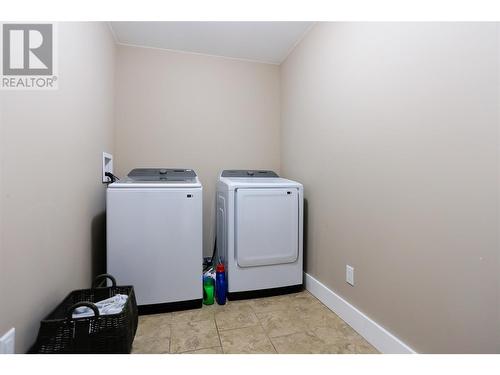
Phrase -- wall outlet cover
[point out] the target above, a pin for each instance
(349, 274)
(107, 165)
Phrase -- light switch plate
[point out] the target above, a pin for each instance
(8, 342)
(349, 274)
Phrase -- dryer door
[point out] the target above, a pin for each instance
(266, 226)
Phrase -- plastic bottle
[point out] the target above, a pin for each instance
(208, 290)
(220, 284)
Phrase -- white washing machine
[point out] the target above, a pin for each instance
(259, 232)
(154, 237)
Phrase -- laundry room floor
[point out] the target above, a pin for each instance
(293, 323)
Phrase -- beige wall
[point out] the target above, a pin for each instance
(393, 129)
(193, 111)
(52, 200)
(498, 171)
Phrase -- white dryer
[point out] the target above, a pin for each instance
(259, 232)
(154, 237)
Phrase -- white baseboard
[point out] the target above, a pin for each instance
(374, 333)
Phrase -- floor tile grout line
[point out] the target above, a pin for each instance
(195, 350)
(265, 333)
(259, 324)
(232, 329)
(270, 340)
(218, 334)
(272, 343)
(170, 338)
(249, 326)
(212, 319)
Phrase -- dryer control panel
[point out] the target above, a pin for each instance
(248, 173)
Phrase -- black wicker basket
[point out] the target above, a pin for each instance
(61, 333)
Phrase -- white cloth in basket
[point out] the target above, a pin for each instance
(109, 306)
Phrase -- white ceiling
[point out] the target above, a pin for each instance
(268, 42)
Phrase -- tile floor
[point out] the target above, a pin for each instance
(293, 323)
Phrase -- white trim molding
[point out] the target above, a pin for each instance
(374, 333)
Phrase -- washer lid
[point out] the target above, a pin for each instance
(158, 178)
(162, 175)
(248, 173)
